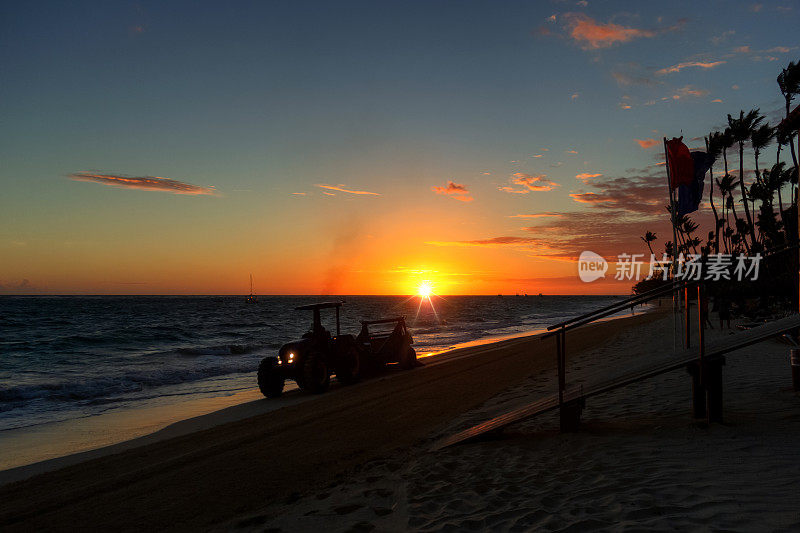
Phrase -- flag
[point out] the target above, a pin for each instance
(689, 196)
(680, 163)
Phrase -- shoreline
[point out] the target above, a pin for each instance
(52, 445)
(238, 465)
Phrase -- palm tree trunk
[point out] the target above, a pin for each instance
(711, 200)
(744, 197)
(791, 137)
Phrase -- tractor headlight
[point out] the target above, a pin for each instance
(291, 357)
(280, 362)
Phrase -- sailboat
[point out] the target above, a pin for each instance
(252, 298)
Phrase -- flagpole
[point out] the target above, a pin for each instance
(674, 249)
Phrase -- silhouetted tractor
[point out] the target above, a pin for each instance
(312, 360)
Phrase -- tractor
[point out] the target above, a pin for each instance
(311, 360)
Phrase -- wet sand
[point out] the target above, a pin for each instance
(206, 478)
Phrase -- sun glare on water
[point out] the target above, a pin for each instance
(425, 290)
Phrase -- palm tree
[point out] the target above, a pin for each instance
(688, 227)
(649, 237)
(713, 149)
(726, 185)
(789, 84)
(741, 130)
(760, 138)
(773, 179)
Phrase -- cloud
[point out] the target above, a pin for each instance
(722, 37)
(780, 50)
(570, 151)
(299, 193)
(586, 176)
(574, 96)
(689, 64)
(755, 8)
(148, 183)
(591, 198)
(530, 183)
(625, 79)
(455, 191)
(512, 190)
(494, 241)
(537, 215)
(591, 34)
(341, 188)
(646, 143)
(640, 192)
(607, 232)
(716, 101)
(688, 90)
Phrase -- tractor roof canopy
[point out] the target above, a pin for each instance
(317, 327)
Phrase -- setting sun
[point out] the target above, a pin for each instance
(425, 290)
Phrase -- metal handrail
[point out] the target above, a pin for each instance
(631, 301)
(610, 309)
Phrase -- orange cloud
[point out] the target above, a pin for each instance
(688, 64)
(494, 241)
(341, 188)
(591, 34)
(532, 183)
(512, 190)
(687, 91)
(148, 183)
(586, 176)
(455, 191)
(646, 143)
(537, 215)
(591, 197)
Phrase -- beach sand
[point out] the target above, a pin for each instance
(359, 458)
(639, 460)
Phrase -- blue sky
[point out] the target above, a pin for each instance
(262, 100)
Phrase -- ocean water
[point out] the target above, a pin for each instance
(70, 357)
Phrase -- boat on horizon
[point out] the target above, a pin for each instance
(252, 297)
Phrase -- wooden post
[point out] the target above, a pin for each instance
(713, 385)
(701, 331)
(698, 392)
(560, 370)
(687, 321)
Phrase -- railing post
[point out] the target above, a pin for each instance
(687, 318)
(562, 350)
(701, 332)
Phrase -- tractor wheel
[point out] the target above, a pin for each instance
(316, 377)
(409, 359)
(269, 379)
(347, 366)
